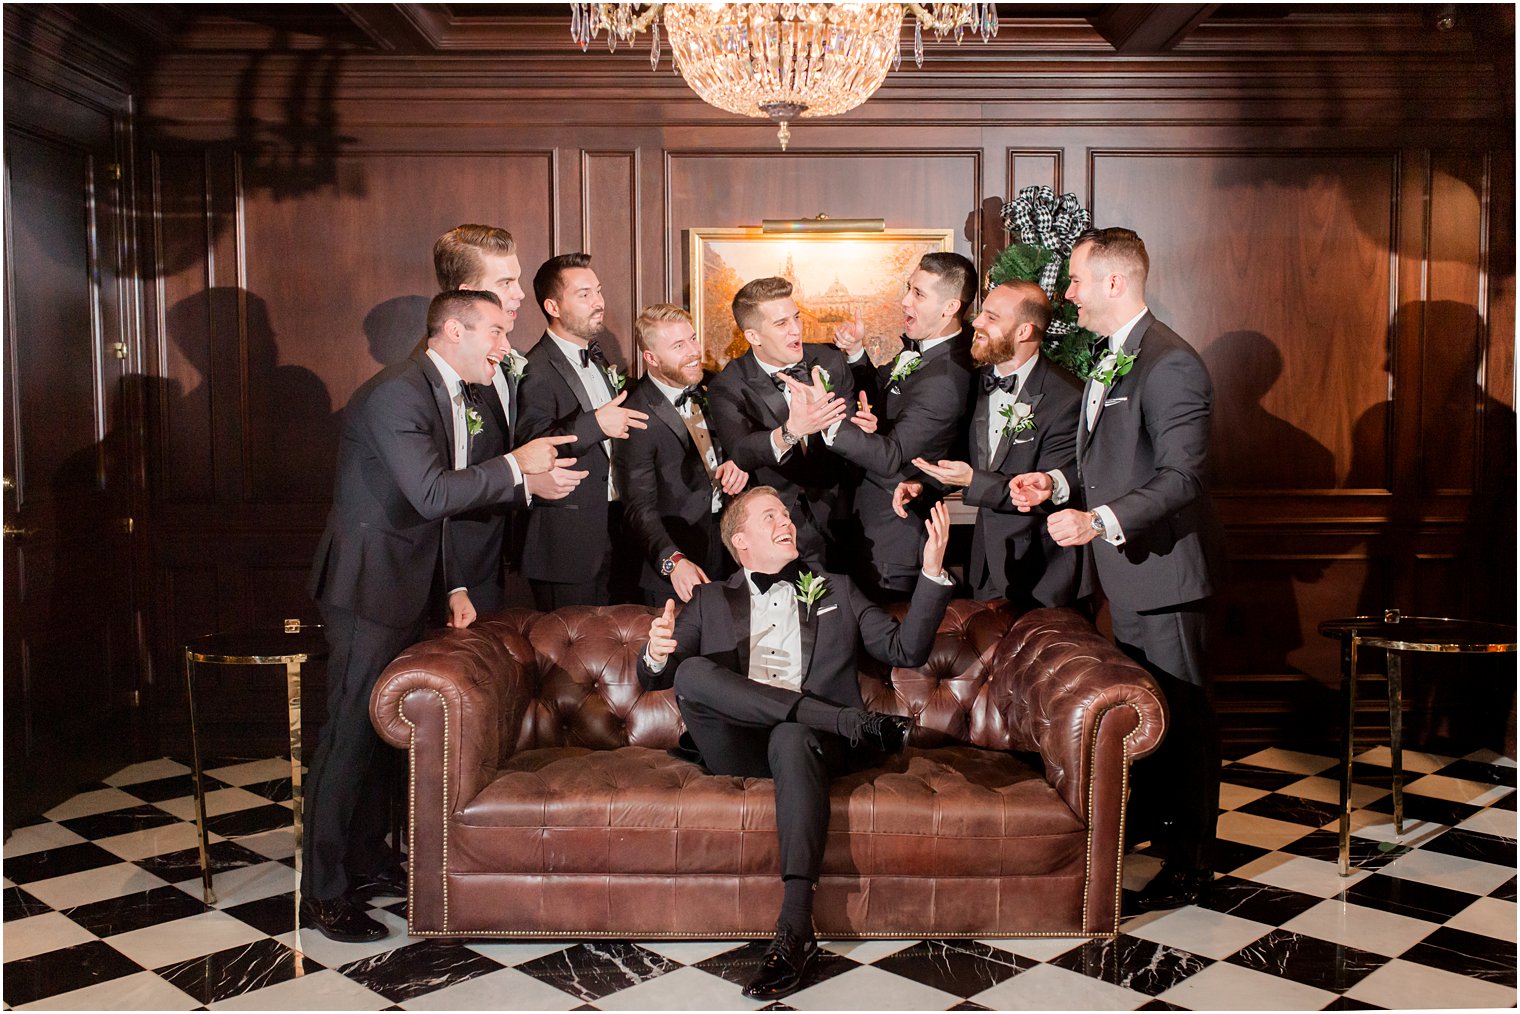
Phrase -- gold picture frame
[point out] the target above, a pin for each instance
(834, 274)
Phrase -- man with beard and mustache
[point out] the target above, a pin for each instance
(569, 386)
(1025, 420)
(674, 477)
(921, 399)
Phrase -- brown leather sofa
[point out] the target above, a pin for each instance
(544, 804)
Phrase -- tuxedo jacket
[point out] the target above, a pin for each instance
(715, 624)
(382, 551)
(744, 406)
(479, 539)
(1146, 457)
(1012, 553)
(566, 539)
(667, 493)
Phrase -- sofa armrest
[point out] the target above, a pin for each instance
(1060, 689)
(457, 701)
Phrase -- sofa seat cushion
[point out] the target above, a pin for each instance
(636, 810)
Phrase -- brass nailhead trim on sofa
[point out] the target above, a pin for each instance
(411, 820)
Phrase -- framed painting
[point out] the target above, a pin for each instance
(834, 275)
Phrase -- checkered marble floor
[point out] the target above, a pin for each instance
(103, 910)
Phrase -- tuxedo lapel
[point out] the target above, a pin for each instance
(444, 401)
(513, 383)
(807, 623)
(736, 591)
(656, 402)
(1132, 347)
(981, 453)
(566, 370)
(765, 390)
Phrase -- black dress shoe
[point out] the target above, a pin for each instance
(387, 883)
(887, 733)
(1174, 887)
(784, 966)
(341, 920)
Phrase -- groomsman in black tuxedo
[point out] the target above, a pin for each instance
(1025, 420)
(484, 258)
(674, 476)
(571, 386)
(382, 564)
(769, 407)
(1143, 512)
(921, 400)
(768, 686)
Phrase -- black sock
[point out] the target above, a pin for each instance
(826, 717)
(796, 906)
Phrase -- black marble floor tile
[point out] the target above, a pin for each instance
(1426, 808)
(1471, 954)
(274, 915)
(114, 822)
(1485, 848)
(254, 820)
(1505, 803)
(1346, 1003)
(238, 970)
(1132, 963)
(185, 864)
(1292, 809)
(1263, 903)
(63, 971)
(278, 790)
(1477, 771)
(1232, 855)
(173, 787)
(1505, 891)
(1310, 960)
(1258, 778)
(963, 1005)
(415, 969)
(58, 862)
(1403, 896)
(20, 905)
(1160, 1005)
(397, 907)
(778, 1005)
(961, 967)
(740, 964)
(1366, 853)
(136, 911)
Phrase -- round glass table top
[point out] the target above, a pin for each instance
(1423, 633)
(259, 647)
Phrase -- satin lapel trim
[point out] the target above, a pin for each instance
(1006, 443)
(513, 383)
(1132, 346)
(809, 628)
(444, 402)
(661, 406)
(981, 453)
(765, 389)
(736, 590)
(567, 371)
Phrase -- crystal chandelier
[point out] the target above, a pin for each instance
(781, 60)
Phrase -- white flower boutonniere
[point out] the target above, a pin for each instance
(1113, 366)
(617, 378)
(904, 365)
(823, 375)
(1017, 418)
(473, 424)
(811, 588)
(516, 364)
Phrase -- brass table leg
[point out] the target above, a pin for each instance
(1348, 746)
(1396, 736)
(207, 894)
(293, 706)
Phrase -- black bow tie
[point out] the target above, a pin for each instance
(693, 394)
(471, 393)
(797, 371)
(911, 345)
(1007, 385)
(593, 353)
(788, 574)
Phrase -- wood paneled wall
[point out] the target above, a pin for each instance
(1332, 233)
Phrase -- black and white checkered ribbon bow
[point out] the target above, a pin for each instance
(1036, 216)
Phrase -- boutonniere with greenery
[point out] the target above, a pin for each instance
(516, 364)
(811, 588)
(1113, 366)
(473, 424)
(1017, 418)
(617, 378)
(823, 375)
(905, 365)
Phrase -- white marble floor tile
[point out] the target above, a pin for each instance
(1223, 986)
(1358, 926)
(1200, 931)
(1300, 873)
(332, 953)
(1380, 827)
(192, 937)
(218, 802)
(324, 990)
(684, 989)
(154, 841)
(1139, 869)
(93, 885)
(1408, 985)
(89, 803)
(38, 837)
(1490, 821)
(1037, 948)
(39, 934)
(1286, 760)
(1413, 760)
(1328, 790)
(1232, 796)
(147, 771)
(279, 843)
(252, 772)
(1491, 917)
(1455, 872)
(868, 989)
(1046, 987)
(1262, 832)
(143, 991)
(867, 951)
(246, 883)
(507, 989)
(1486, 756)
(1458, 790)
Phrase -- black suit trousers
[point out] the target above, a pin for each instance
(751, 730)
(346, 790)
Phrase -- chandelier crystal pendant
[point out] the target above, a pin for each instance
(781, 61)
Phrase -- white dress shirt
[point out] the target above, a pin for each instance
(775, 635)
(999, 399)
(598, 390)
(696, 424)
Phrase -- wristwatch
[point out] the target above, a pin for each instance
(668, 564)
(788, 437)
(1098, 526)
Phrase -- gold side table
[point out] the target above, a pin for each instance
(291, 647)
(1393, 634)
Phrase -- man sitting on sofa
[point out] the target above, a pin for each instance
(764, 669)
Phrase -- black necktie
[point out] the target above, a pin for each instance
(1007, 385)
(911, 345)
(593, 353)
(693, 394)
(797, 371)
(788, 574)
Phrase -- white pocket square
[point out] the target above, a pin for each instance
(1023, 440)
(1113, 401)
(827, 609)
